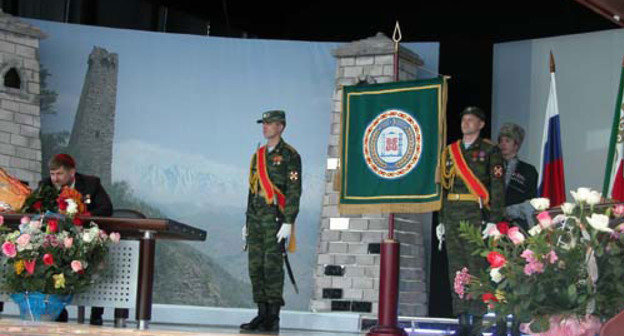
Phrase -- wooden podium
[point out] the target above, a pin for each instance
(147, 231)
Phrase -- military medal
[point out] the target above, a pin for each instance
(498, 171)
(294, 176)
(277, 160)
(481, 156)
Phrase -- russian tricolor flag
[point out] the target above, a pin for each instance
(552, 179)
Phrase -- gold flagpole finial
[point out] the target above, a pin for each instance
(396, 36)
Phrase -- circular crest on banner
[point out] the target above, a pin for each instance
(392, 144)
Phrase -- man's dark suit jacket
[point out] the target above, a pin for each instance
(523, 184)
(90, 187)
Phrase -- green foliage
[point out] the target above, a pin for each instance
(41, 200)
(570, 267)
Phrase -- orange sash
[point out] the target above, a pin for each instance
(472, 182)
(271, 192)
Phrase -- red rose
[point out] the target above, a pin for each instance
(48, 259)
(489, 297)
(37, 205)
(502, 227)
(62, 204)
(496, 259)
(52, 226)
(86, 214)
(77, 221)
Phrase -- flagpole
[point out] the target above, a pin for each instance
(387, 314)
(609, 171)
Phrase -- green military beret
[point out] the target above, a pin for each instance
(512, 131)
(273, 115)
(474, 111)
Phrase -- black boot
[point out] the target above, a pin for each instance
(465, 325)
(515, 327)
(501, 327)
(257, 321)
(96, 316)
(63, 317)
(271, 323)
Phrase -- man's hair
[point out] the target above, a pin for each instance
(62, 161)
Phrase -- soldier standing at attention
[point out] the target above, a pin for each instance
(474, 191)
(272, 206)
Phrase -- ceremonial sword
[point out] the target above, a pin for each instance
(279, 220)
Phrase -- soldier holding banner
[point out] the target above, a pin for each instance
(474, 191)
(272, 206)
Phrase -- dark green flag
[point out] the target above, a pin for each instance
(392, 137)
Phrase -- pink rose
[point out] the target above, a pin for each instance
(115, 237)
(76, 266)
(552, 257)
(544, 219)
(9, 249)
(515, 235)
(1, 220)
(25, 220)
(618, 210)
(23, 239)
(68, 242)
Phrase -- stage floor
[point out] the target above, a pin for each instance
(11, 326)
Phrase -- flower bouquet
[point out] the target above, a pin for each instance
(54, 253)
(562, 276)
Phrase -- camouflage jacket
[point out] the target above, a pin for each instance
(284, 169)
(486, 162)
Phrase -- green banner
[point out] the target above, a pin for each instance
(392, 137)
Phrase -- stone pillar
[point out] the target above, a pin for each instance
(347, 273)
(20, 121)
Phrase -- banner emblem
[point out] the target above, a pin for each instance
(392, 144)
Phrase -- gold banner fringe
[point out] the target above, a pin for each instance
(357, 209)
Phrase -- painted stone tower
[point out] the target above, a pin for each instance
(91, 140)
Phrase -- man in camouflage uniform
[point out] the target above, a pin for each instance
(462, 202)
(274, 192)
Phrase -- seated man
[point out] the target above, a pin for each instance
(63, 173)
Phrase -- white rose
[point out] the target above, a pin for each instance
(72, 207)
(540, 203)
(599, 222)
(594, 197)
(490, 231)
(495, 275)
(581, 194)
(535, 230)
(87, 237)
(568, 208)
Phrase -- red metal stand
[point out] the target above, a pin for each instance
(387, 319)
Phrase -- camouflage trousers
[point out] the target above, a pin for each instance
(459, 251)
(266, 266)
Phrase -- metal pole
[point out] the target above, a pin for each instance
(387, 315)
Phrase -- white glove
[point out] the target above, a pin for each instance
(284, 232)
(244, 232)
(440, 231)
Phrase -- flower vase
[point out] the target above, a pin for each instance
(35, 306)
(568, 326)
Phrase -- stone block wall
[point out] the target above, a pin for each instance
(20, 121)
(347, 271)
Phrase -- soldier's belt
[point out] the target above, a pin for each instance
(462, 197)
